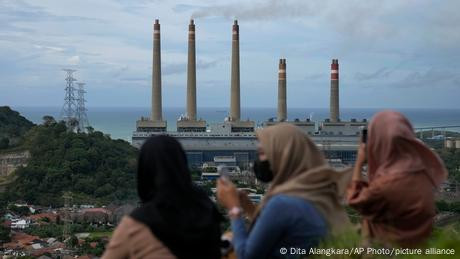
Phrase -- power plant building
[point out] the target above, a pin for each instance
(235, 137)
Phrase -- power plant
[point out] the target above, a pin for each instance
(235, 137)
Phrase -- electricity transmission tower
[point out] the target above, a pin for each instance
(69, 107)
(74, 110)
(81, 116)
(67, 219)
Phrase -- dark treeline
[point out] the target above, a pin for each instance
(12, 127)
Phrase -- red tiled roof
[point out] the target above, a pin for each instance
(23, 238)
(92, 210)
(7, 223)
(40, 216)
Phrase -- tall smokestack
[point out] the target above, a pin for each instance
(191, 73)
(235, 80)
(156, 74)
(334, 105)
(282, 105)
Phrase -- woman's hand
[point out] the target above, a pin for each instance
(246, 203)
(227, 194)
(361, 157)
(360, 160)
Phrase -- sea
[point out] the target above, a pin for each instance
(120, 122)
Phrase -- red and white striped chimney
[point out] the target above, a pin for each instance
(334, 102)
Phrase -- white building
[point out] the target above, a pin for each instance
(20, 224)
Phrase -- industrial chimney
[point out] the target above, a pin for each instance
(156, 74)
(191, 73)
(282, 104)
(235, 75)
(334, 105)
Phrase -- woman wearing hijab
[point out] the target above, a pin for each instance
(175, 220)
(397, 201)
(302, 204)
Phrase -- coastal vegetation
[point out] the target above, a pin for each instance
(13, 126)
(91, 166)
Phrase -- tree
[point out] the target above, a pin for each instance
(90, 165)
(19, 210)
(48, 120)
(4, 234)
(72, 241)
(4, 143)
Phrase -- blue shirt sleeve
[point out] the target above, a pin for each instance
(269, 228)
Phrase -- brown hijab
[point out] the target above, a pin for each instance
(397, 204)
(394, 149)
(300, 170)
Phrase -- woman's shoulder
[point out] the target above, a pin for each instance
(278, 199)
(289, 203)
(140, 238)
(295, 210)
(130, 225)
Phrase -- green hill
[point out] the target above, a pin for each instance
(12, 127)
(92, 166)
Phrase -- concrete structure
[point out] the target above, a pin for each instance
(235, 137)
(307, 126)
(334, 102)
(189, 123)
(225, 160)
(146, 124)
(157, 113)
(235, 74)
(185, 125)
(235, 109)
(155, 123)
(9, 162)
(457, 143)
(449, 143)
(191, 73)
(348, 128)
(282, 104)
(20, 224)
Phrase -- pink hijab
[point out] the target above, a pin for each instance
(393, 149)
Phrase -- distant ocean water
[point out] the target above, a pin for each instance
(120, 122)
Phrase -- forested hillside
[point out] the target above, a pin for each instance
(92, 166)
(12, 127)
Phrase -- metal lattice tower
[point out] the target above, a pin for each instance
(67, 219)
(80, 114)
(69, 107)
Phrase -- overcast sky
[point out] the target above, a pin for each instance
(392, 54)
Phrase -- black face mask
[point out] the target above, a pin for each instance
(262, 171)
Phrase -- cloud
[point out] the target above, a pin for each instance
(74, 60)
(180, 68)
(383, 72)
(50, 48)
(410, 45)
(432, 78)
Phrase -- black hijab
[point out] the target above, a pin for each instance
(176, 211)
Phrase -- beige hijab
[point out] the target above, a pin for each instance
(300, 170)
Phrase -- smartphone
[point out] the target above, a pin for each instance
(364, 135)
